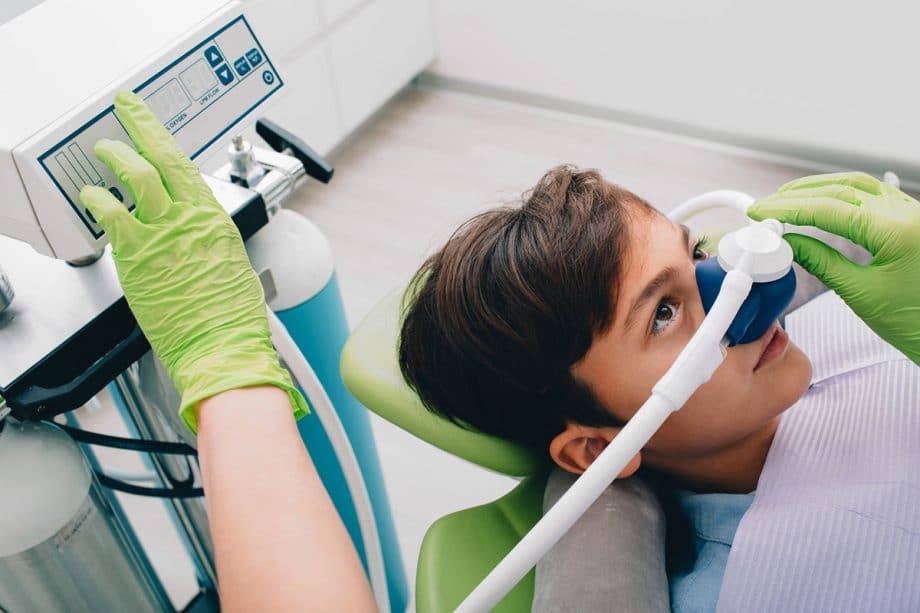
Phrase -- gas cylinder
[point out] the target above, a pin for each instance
(62, 547)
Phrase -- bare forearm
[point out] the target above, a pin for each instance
(279, 542)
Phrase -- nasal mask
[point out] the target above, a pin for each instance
(767, 258)
(744, 290)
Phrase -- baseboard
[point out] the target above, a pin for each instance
(815, 160)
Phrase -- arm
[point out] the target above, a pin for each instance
(188, 281)
(278, 539)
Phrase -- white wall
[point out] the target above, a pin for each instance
(827, 81)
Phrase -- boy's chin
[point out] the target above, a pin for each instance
(796, 376)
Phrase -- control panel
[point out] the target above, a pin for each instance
(199, 97)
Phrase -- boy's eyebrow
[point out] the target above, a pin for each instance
(665, 276)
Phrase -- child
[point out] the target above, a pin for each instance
(549, 323)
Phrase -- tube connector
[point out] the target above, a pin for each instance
(691, 370)
(773, 225)
(244, 169)
(758, 250)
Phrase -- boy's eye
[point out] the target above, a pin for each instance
(664, 315)
(701, 248)
(667, 310)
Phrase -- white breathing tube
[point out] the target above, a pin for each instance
(321, 405)
(693, 367)
(719, 199)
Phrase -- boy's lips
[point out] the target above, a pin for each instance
(774, 345)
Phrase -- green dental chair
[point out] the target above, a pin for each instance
(475, 539)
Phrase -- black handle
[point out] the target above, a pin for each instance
(280, 139)
(38, 401)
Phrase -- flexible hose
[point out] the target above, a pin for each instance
(129, 444)
(152, 492)
(325, 411)
(719, 199)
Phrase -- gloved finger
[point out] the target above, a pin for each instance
(825, 262)
(109, 213)
(137, 174)
(859, 180)
(897, 195)
(844, 193)
(182, 178)
(829, 214)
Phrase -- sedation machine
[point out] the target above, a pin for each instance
(743, 291)
(67, 334)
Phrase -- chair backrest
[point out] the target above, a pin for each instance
(459, 549)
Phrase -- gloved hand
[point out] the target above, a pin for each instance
(876, 215)
(183, 267)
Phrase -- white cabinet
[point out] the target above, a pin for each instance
(308, 108)
(377, 52)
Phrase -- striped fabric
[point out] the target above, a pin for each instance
(835, 523)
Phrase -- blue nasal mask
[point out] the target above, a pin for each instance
(770, 294)
(763, 306)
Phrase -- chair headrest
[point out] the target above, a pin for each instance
(370, 370)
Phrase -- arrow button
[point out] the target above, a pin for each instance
(212, 54)
(224, 74)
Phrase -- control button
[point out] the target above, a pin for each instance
(254, 56)
(212, 54)
(115, 192)
(224, 74)
(241, 65)
(268, 77)
(89, 215)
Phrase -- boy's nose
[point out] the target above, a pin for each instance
(762, 307)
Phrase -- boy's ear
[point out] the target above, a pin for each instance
(576, 447)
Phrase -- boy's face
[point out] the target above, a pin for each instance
(657, 311)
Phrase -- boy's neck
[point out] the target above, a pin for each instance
(735, 469)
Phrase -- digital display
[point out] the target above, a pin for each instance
(168, 101)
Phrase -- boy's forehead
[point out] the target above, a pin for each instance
(654, 242)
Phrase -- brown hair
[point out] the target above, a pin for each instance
(495, 320)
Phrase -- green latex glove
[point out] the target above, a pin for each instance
(876, 215)
(183, 267)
